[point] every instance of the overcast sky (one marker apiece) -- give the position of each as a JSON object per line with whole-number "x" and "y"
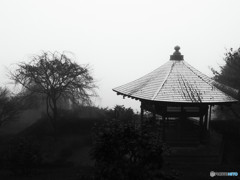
{"x": 121, "y": 40}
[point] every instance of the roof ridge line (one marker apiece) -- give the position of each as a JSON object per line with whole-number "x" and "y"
{"x": 234, "y": 93}
{"x": 187, "y": 65}
{"x": 159, "y": 89}
{"x": 144, "y": 84}
{"x": 147, "y": 82}
{"x": 212, "y": 81}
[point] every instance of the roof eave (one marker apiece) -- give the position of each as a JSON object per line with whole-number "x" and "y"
{"x": 181, "y": 103}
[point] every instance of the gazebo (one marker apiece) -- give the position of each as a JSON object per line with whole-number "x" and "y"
{"x": 178, "y": 90}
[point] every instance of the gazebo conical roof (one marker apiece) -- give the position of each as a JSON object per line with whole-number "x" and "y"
{"x": 176, "y": 81}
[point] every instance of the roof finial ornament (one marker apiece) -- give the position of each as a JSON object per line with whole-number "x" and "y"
{"x": 177, "y": 48}
{"x": 176, "y": 55}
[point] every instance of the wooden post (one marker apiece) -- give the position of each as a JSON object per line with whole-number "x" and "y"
{"x": 209, "y": 117}
{"x": 205, "y": 120}
{"x": 167, "y": 121}
{"x": 154, "y": 113}
{"x": 142, "y": 113}
{"x": 201, "y": 121}
{"x": 201, "y": 126}
{"x": 205, "y": 124}
{"x": 164, "y": 132}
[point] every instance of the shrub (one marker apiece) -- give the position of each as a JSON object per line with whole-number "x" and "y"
{"x": 227, "y": 127}
{"x": 121, "y": 113}
{"x": 23, "y": 155}
{"x": 126, "y": 151}
{"x": 10, "y": 107}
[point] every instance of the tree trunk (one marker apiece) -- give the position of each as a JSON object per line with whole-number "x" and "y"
{"x": 55, "y": 116}
{"x": 52, "y": 105}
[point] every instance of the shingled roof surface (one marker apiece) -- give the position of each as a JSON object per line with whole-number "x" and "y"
{"x": 175, "y": 81}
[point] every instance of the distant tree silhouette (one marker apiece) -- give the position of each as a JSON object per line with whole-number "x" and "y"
{"x": 55, "y": 76}
{"x": 229, "y": 73}
{"x": 9, "y": 106}
{"x": 123, "y": 113}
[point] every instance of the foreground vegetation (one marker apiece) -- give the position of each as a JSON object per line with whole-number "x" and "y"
{"x": 92, "y": 144}
{"x": 87, "y": 146}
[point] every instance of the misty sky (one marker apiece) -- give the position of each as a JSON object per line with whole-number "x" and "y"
{"x": 121, "y": 40}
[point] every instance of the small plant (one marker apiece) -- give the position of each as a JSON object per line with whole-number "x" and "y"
{"x": 126, "y": 151}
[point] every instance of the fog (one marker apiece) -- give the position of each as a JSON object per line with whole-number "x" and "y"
{"x": 120, "y": 40}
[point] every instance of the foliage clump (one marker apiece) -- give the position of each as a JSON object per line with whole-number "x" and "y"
{"x": 127, "y": 151}
{"x": 229, "y": 73}
{"x": 23, "y": 156}
{"x": 9, "y": 106}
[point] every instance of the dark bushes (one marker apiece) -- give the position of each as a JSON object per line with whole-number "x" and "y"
{"x": 227, "y": 127}
{"x": 127, "y": 151}
{"x": 23, "y": 156}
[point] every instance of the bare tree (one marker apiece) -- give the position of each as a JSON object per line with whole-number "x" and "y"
{"x": 55, "y": 76}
